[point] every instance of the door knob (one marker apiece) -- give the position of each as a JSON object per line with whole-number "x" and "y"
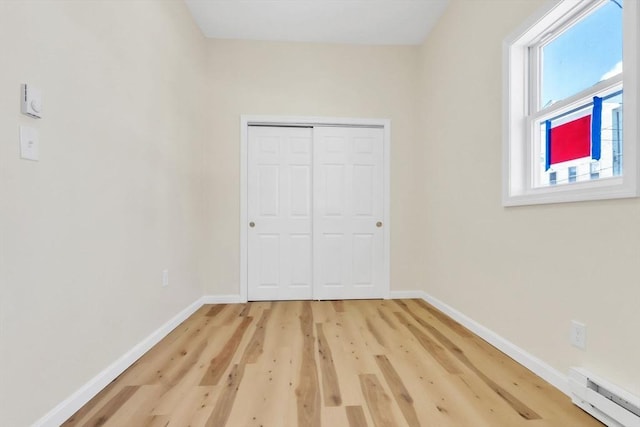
{"x": 379, "y": 224}
{"x": 252, "y": 224}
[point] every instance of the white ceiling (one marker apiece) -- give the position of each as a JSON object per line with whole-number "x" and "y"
{"x": 380, "y": 22}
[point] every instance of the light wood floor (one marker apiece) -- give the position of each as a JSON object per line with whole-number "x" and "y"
{"x": 333, "y": 363}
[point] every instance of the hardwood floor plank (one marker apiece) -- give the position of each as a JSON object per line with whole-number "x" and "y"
{"x": 323, "y": 312}
{"x": 270, "y": 387}
{"x": 334, "y": 416}
{"x": 434, "y": 349}
{"x": 215, "y": 310}
{"x": 193, "y": 407}
{"x": 245, "y": 310}
{"x": 188, "y": 358}
{"x": 443, "y": 318}
{"x": 355, "y": 415}
{"x": 227, "y": 398}
{"x": 484, "y": 404}
{"x": 378, "y": 402}
{"x": 375, "y": 332}
{"x": 263, "y": 361}
{"x": 231, "y": 314}
{"x": 251, "y": 353}
{"x": 257, "y": 307}
{"x": 358, "y": 345}
{"x": 156, "y": 421}
{"x": 385, "y": 317}
{"x": 176, "y": 396}
{"x": 273, "y": 380}
{"x": 433, "y": 391}
{"x": 308, "y": 391}
{"x": 135, "y": 411}
{"x": 92, "y": 406}
{"x": 219, "y": 364}
{"x": 338, "y": 306}
{"x": 111, "y": 407}
{"x": 400, "y": 392}
{"x": 154, "y": 367}
{"x": 522, "y": 409}
{"x": 330, "y": 386}
{"x": 255, "y": 347}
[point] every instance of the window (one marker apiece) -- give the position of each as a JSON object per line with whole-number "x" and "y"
{"x": 570, "y": 80}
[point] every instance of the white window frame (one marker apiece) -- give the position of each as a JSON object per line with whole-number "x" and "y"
{"x": 518, "y": 100}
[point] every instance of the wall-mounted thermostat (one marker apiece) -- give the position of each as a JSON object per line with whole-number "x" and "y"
{"x": 31, "y": 101}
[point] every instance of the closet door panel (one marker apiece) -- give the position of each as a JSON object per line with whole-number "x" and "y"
{"x": 348, "y": 253}
{"x": 279, "y": 213}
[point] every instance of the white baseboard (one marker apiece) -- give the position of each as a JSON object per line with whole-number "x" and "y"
{"x": 529, "y": 361}
{"x": 69, "y": 406}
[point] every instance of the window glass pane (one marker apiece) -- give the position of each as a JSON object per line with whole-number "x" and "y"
{"x": 572, "y": 150}
{"x": 583, "y": 55}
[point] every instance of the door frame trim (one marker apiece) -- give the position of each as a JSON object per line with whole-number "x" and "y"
{"x": 248, "y": 120}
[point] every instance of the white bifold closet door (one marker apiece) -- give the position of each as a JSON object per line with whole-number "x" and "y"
{"x": 315, "y": 209}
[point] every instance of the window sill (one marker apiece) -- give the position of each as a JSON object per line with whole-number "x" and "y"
{"x": 603, "y": 189}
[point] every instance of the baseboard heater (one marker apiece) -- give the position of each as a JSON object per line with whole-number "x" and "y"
{"x": 605, "y": 401}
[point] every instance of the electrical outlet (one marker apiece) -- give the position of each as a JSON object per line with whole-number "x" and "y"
{"x": 578, "y": 337}
{"x": 165, "y": 278}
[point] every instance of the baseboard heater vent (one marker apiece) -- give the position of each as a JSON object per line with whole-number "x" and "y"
{"x": 605, "y": 401}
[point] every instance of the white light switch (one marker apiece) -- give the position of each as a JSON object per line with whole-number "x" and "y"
{"x": 31, "y": 103}
{"x": 28, "y": 143}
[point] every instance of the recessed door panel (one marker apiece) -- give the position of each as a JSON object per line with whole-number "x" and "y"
{"x": 269, "y": 145}
{"x": 270, "y": 249}
{"x": 364, "y": 145}
{"x": 300, "y": 260}
{"x": 335, "y": 144}
{"x": 300, "y": 196}
{"x": 363, "y": 192}
{"x": 268, "y": 177}
{"x": 301, "y": 146}
{"x": 330, "y": 259}
{"x": 363, "y": 253}
{"x": 334, "y": 183}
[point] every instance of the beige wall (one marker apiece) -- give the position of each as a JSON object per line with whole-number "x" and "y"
{"x": 524, "y": 272}
{"x": 115, "y": 198}
{"x": 139, "y": 171}
{"x": 305, "y": 79}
